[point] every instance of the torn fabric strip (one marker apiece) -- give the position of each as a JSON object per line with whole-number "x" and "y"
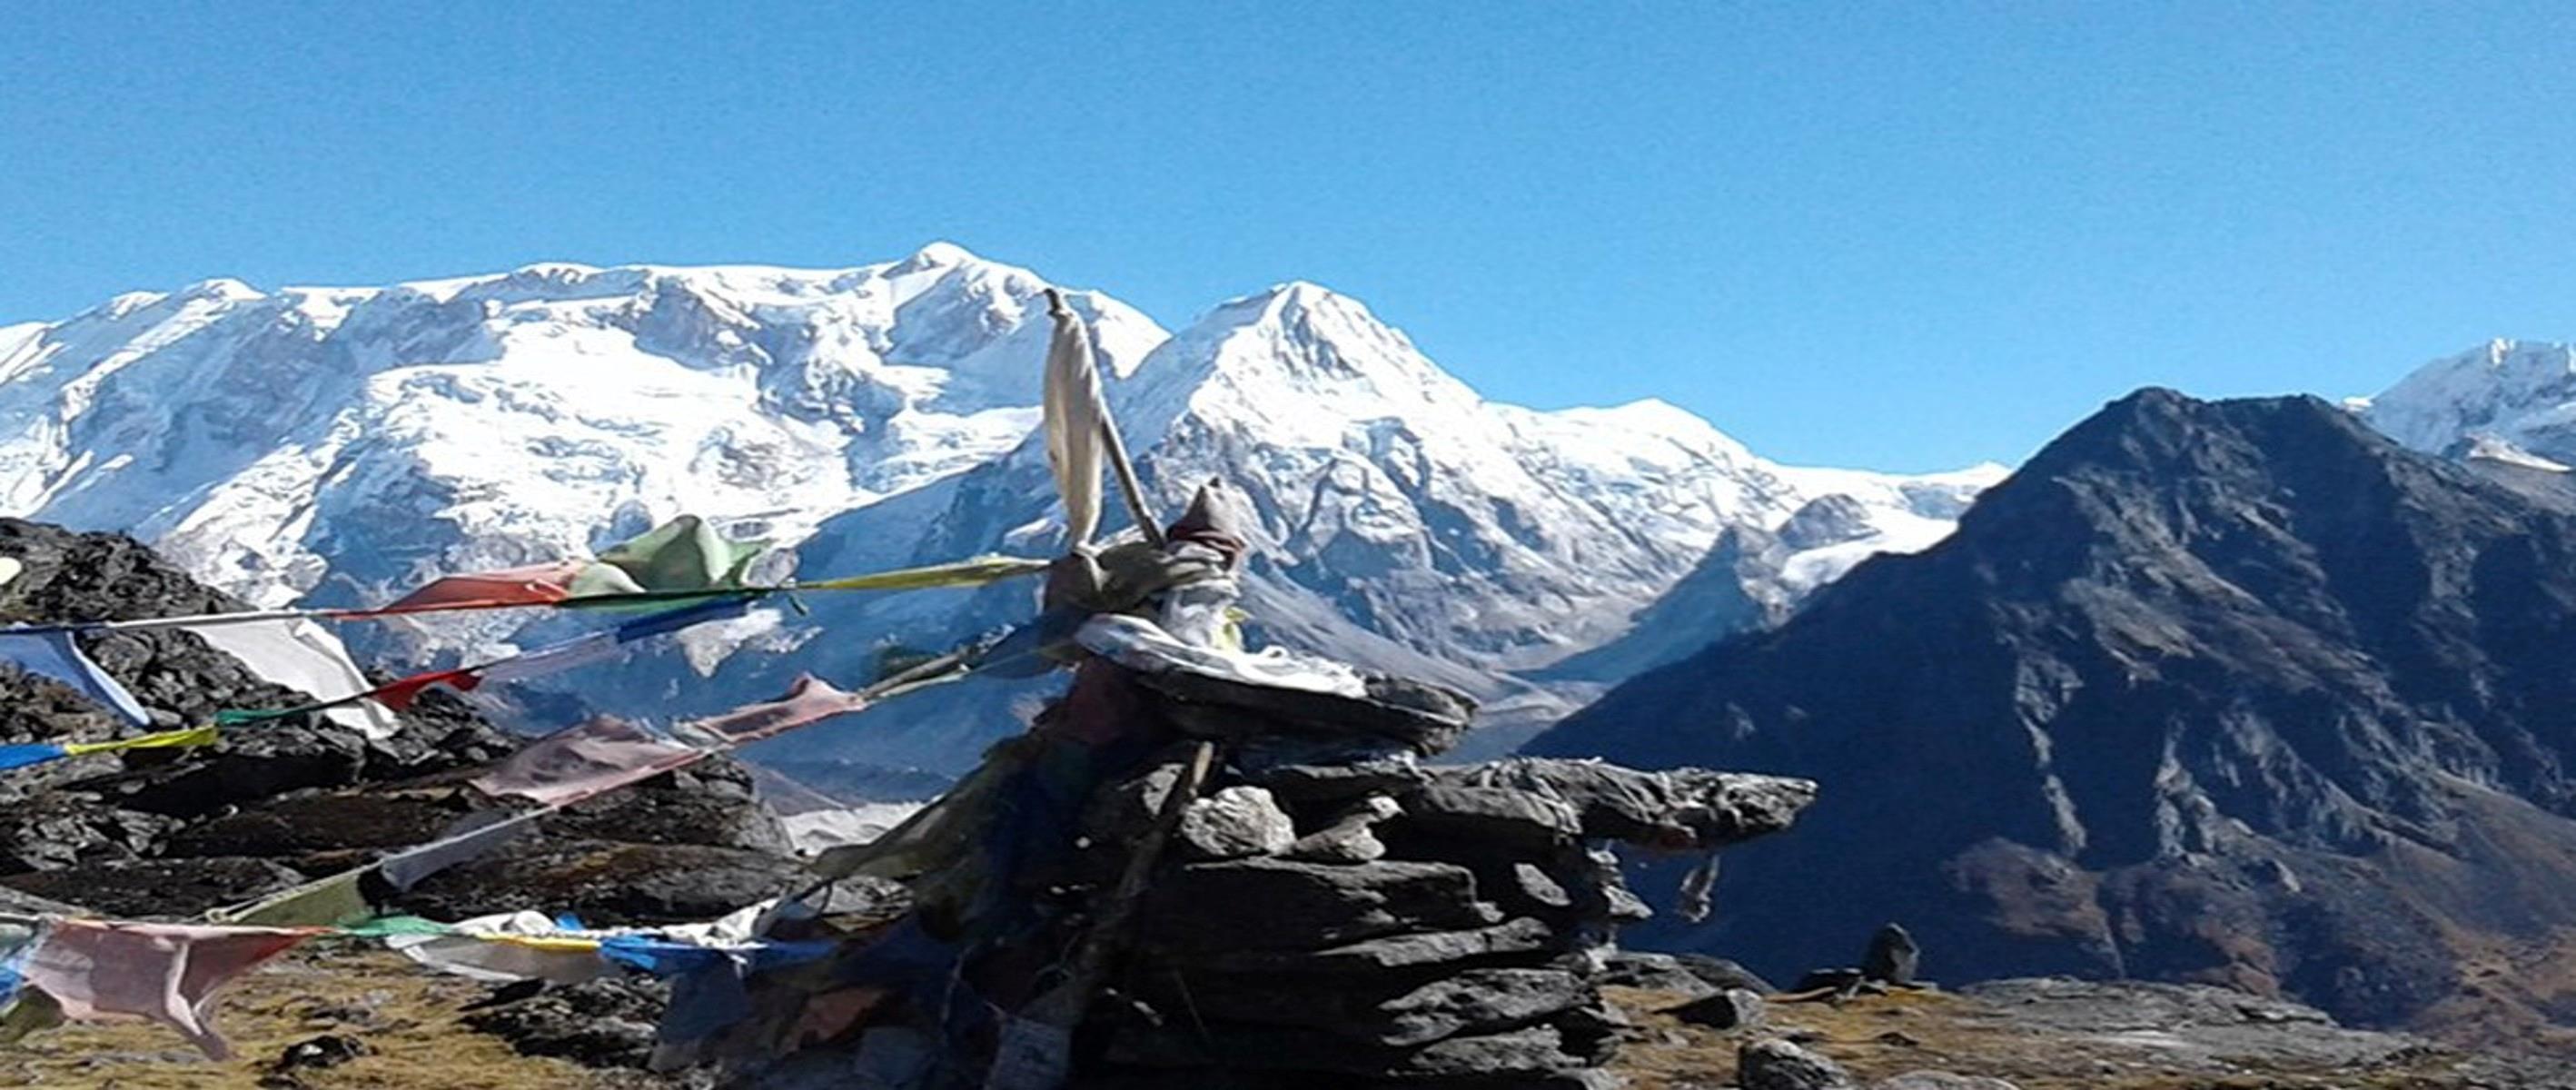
{"x": 301, "y": 655}
{"x": 169, "y": 973}
{"x": 57, "y": 655}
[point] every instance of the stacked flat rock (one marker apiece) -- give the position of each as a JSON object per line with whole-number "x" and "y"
{"x": 1335, "y": 912}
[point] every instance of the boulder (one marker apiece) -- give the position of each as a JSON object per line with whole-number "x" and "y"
{"x": 709, "y": 803}
{"x": 1234, "y": 823}
{"x": 1775, "y": 1064}
{"x": 1891, "y": 958}
{"x": 606, "y": 882}
{"x": 1733, "y": 1008}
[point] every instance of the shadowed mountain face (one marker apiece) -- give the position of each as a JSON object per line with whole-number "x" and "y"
{"x": 2239, "y": 692}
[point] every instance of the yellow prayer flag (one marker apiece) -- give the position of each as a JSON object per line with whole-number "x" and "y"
{"x": 193, "y": 736}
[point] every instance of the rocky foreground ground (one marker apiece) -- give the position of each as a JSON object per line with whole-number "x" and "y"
{"x": 359, "y": 1020}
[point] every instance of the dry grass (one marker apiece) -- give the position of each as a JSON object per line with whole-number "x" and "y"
{"x": 406, "y": 1016}
{"x": 1876, "y": 1037}
{"x": 408, "y": 1019}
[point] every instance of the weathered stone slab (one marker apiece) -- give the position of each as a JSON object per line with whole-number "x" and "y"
{"x": 1274, "y": 904}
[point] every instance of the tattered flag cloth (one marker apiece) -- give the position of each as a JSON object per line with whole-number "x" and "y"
{"x": 607, "y": 753}
{"x": 401, "y": 693}
{"x": 327, "y": 902}
{"x": 472, "y": 837}
{"x": 55, "y": 654}
{"x": 17, "y": 943}
{"x": 509, "y": 946}
{"x": 686, "y": 553}
{"x": 165, "y": 972}
{"x": 596, "y": 756}
{"x": 300, "y": 655}
{"x": 1074, "y": 411}
{"x": 534, "y": 585}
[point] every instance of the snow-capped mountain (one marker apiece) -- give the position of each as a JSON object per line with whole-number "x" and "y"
{"x": 1396, "y": 518}
{"x": 335, "y": 445}
{"x": 338, "y": 445}
{"x": 2504, "y": 401}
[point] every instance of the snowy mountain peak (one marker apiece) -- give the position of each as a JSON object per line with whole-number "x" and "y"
{"x": 338, "y": 444}
{"x": 339, "y": 441}
{"x": 2499, "y": 398}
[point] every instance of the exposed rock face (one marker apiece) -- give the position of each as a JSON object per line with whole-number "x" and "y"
{"x": 2238, "y": 692}
{"x": 161, "y": 833}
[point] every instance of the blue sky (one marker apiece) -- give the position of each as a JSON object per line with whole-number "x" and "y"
{"x": 1895, "y": 235}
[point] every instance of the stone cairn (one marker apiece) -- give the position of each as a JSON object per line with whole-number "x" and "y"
{"x": 1332, "y": 911}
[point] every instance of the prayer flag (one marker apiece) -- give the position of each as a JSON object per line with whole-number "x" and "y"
{"x": 165, "y": 972}
{"x": 57, "y": 655}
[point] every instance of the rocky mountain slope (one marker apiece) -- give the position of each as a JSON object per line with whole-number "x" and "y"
{"x": 173, "y": 832}
{"x": 334, "y": 446}
{"x": 2236, "y": 692}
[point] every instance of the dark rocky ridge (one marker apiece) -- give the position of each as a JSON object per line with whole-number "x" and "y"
{"x": 168, "y": 833}
{"x": 2235, "y": 692}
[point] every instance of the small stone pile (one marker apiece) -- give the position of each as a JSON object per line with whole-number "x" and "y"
{"x": 1335, "y": 912}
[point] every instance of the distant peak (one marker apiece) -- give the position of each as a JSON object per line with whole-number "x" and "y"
{"x": 1288, "y": 303}
{"x": 939, "y": 255}
{"x": 557, "y": 271}
{"x": 221, "y": 287}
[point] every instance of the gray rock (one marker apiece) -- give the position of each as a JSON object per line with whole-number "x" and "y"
{"x": 599, "y": 1024}
{"x": 1233, "y": 823}
{"x": 1774, "y": 1064}
{"x": 1734, "y": 1008}
{"x": 1942, "y": 1080}
{"x": 315, "y": 1053}
{"x": 1311, "y": 771}
{"x": 1274, "y": 904}
{"x": 1693, "y": 975}
{"x": 56, "y": 829}
{"x": 1536, "y": 887}
{"x": 1422, "y": 716}
{"x": 1519, "y": 939}
{"x": 1892, "y": 957}
{"x": 606, "y": 882}
{"x": 158, "y": 888}
{"x": 1489, "y": 819}
{"x": 1380, "y": 1009}
{"x": 1478, "y": 1000}
{"x": 1683, "y": 808}
{"x": 1653, "y": 972}
{"x": 1348, "y": 838}
{"x": 1533, "y": 1049}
